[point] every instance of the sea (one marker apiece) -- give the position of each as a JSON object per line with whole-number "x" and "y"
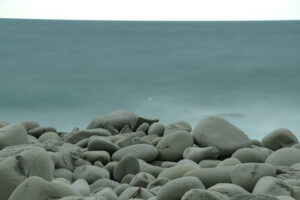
{"x": 65, "y": 73}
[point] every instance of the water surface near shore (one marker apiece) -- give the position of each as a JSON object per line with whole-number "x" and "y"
{"x": 63, "y": 73}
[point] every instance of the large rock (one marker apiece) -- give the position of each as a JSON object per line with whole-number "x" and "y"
{"x": 175, "y": 189}
{"x": 228, "y": 189}
{"x": 127, "y": 165}
{"x": 211, "y": 176}
{"x": 145, "y": 152}
{"x": 177, "y": 126}
{"x": 279, "y": 138}
{"x": 284, "y": 157}
{"x": 246, "y": 175}
{"x": 171, "y": 147}
{"x": 15, "y": 169}
{"x": 29, "y": 124}
{"x": 12, "y": 135}
{"x": 117, "y": 119}
{"x": 35, "y": 188}
{"x": 197, "y": 154}
{"x": 80, "y": 135}
{"x": 217, "y": 132}
{"x": 201, "y": 194}
{"x": 156, "y": 129}
{"x": 272, "y": 186}
{"x": 253, "y": 197}
{"x": 248, "y": 155}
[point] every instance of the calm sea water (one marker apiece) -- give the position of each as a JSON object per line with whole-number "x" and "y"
{"x": 64, "y": 73}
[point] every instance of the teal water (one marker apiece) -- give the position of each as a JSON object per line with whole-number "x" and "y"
{"x": 63, "y": 73}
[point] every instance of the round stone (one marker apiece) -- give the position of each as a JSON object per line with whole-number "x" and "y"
{"x": 177, "y": 126}
{"x": 38, "y": 131}
{"x": 141, "y": 179}
{"x": 171, "y": 147}
{"x": 246, "y": 175}
{"x": 279, "y": 138}
{"x": 197, "y": 194}
{"x": 49, "y": 136}
{"x": 175, "y": 172}
{"x": 175, "y": 189}
{"x": 217, "y": 132}
{"x": 253, "y": 197}
{"x": 229, "y": 162}
{"x": 12, "y": 135}
{"x": 248, "y": 155}
{"x": 94, "y": 156}
{"x": 127, "y": 165}
{"x": 228, "y": 189}
{"x": 156, "y": 129}
{"x": 284, "y": 157}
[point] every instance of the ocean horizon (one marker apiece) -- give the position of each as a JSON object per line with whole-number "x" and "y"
{"x": 64, "y": 73}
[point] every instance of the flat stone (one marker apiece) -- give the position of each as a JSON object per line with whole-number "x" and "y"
{"x": 103, "y": 183}
{"x": 12, "y": 135}
{"x": 118, "y": 119}
{"x": 228, "y": 189}
{"x": 90, "y": 173}
{"x": 175, "y": 189}
{"x": 38, "y": 131}
{"x": 212, "y": 176}
{"x": 246, "y": 175}
{"x": 229, "y": 162}
{"x": 127, "y": 165}
{"x": 93, "y": 156}
{"x": 80, "y": 135}
{"x": 36, "y": 188}
{"x": 171, "y": 147}
{"x": 148, "y": 168}
{"x": 208, "y": 163}
{"x": 145, "y": 152}
{"x": 197, "y": 194}
{"x": 284, "y": 157}
{"x": 253, "y": 197}
{"x": 217, "y": 132}
{"x": 197, "y": 154}
{"x": 279, "y": 138}
{"x": 175, "y": 172}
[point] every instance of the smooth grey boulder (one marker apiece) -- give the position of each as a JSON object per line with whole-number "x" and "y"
{"x": 197, "y": 154}
{"x": 49, "y": 136}
{"x": 103, "y": 183}
{"x": 63, "y": 173}
{"x": 228, "y": 189}
{"x": 29, "y": 124}
{"x": 188, "y": 162}
{"x": 201, "y": 194}
{"x": 135, "y": 193}
{"x": 279, "y": 138}
{"x": 284, "y": 198}
{"x": 253, "y": 197}
{"x": 284, "y": 157}
{"x": 246, "y": 175}
{"x": 159, "y": 182}
{"x": 175, "y": 189}
{"x": 143, "y": 127}
{"x": 141, "y": 179}
{"x": 177, "y": 126}
{"x": 80, "y": 135}
{"x": 212, "y": 176}
{"x": 141, "y": 120}
{"x": 175, "y": 172}
{"x": 81, "y": 187}
{"x": 256, "y": 142}
{"x": 63, "y": 160}
{"x": 99, "y": 143}
{"x": 265, "y": 152}
{"x": 38, "y": 131}
{"x": 90, "y": 173}
{"x": 248, "y": 155}
{"x": 171, "y": 147}
{"x": 12, "y": 135}
{"x": 127, "y": 165}
{"x": 229, "y": 162}
{"x": 156, "y": 129}
{"x": 15, "y": 169}
{"x": 145, "y": 152}
{"x": 217, "y": 132}
{"x": 272, "y": 186}
{"x": 94, "y": 156}
{"x": 131, "y": 139}
{"x": 36, "y": 188}
{"x": 110, "y": 167}
{"x": 118, "y": 119}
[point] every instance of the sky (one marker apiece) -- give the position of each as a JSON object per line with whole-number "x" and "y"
{"x": 167, "y": 10}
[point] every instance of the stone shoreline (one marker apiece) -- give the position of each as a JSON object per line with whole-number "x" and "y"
{"x": 121, "y": 156}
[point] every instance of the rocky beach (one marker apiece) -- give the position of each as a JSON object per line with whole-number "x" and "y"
{"x": 122, "y": 155}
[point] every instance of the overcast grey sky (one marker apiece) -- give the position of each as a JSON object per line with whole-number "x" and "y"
{"x": 152, "y": 9}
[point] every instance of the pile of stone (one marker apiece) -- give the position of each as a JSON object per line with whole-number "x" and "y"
{"x": 122, "y": 156}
